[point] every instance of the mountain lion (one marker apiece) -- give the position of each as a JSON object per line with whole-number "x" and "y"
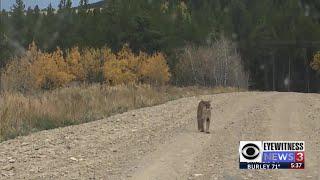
{"x": 204, "y": 115}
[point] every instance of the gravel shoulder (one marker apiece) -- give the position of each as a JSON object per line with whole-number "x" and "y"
{"x": 162, "y": 142}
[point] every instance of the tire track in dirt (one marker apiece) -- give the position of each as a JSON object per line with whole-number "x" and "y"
{"x": 220, "y": 160}
{"x": 290, "y": 119}
{"x": 282, "y": 116}
{"x": 175, "y": 159}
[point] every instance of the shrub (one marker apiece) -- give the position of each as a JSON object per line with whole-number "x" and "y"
{"x": 154, "y": 70}
{"x": 50, "y": 71}
{"x": 92, "y": 62}
{"x": 74, "y": 64}
{"x": 122, "y": 68}
{"x": 37, "y": 70}
{"x": 217, "y": 64}
{"x": 127, "y": 67}
{"x": 118, "y": 72}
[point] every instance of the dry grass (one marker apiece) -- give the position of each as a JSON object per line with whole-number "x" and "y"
{"x": 22, "y": 114}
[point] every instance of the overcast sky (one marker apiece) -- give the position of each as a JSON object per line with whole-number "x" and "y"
{"x": 6, "y": 4}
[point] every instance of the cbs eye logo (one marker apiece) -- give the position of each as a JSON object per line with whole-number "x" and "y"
{"x": 250, "y": 151}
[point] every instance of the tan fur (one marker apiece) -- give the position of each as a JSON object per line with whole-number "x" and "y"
{"x": 204, "y": 115}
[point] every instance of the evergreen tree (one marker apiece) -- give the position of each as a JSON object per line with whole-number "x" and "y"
{"x": 17, "y": 27}
{"x": 4, "y": 48}
{"x": 36, "y": 11}
{"x": 68, "y": 4}
{"x": 50, "y": 10}
{"x": 83, "y": 3}
{"x": 18, "y": 8}
{"x": 62, "y": 4}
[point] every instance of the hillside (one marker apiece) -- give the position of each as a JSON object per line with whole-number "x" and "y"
{"x": 98, "y": 4}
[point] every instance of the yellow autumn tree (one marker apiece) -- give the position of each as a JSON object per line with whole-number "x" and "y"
{"x": 107, "y": 54}
{"x": 127, "y": 67}
{"x": 36, "y": 70}
{"x": 92, "y": 64}
{"x": 154, "y": 70}
{"x": 75, "y": 67}
{"x": 57, "y": 57}
{"x": 50, "y": 71}
{"x": 122, "y": 68}
{"x": 17, "y": 75}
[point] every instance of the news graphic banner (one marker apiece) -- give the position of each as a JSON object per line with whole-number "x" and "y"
{"x": 272, "y": 154}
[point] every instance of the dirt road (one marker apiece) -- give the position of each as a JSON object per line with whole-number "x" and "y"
{"x": 162, "y": 142}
